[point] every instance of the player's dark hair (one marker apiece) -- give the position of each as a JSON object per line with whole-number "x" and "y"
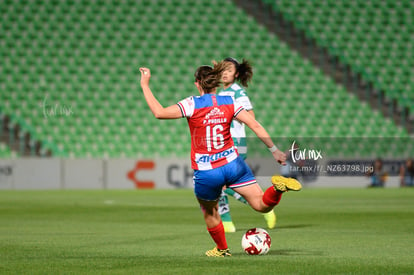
{"x": 244, "y": 70}
{"x": 210, "y": 77}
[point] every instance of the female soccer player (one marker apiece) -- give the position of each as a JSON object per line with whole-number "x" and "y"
{"x": 242, "y": 73}
{"x": 214, "y": 158}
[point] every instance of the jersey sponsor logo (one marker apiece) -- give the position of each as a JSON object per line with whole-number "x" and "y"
{"x": 215, "y": 116}
{"x": 215, "y": 112}
{"x": 214, "y": 157}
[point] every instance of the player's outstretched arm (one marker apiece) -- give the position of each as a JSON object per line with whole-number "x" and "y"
{"x": 261, "y": 133}
{"x": 157, "y": 109}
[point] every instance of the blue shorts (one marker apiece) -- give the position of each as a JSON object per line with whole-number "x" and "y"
{"x": 209, "y": 183}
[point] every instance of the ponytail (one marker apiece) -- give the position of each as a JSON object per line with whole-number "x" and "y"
{"x": 210, "y": 77}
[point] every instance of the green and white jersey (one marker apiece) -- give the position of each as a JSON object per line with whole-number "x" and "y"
{"x": 237, "y": 129}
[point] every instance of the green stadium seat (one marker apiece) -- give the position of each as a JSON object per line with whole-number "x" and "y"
{"x": 372, "y": 37}
{"x": 86, "y": 54}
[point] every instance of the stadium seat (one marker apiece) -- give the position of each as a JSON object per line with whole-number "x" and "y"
{"x": 372, "y": 37}
{"x": 85, "y": 56}
{"x": 5, "y": 151}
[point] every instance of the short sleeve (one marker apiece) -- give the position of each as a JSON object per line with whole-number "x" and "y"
{"x": 237, "y": 108}
{"x": 187, "y": 106}
{"x": 243, "y": 100}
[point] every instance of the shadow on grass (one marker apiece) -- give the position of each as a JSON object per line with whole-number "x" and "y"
{"x": 285, "y": 252}
{"x": 292, "y": 226}
{"x": 294, "y": 252}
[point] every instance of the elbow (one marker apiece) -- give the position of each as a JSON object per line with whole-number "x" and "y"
{"x": 158, "y": 116}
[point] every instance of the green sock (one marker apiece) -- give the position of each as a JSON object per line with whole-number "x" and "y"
{"x": 235, "y": 195}
{"x": 226, "y": 217}
{"x": 224, "y": 208}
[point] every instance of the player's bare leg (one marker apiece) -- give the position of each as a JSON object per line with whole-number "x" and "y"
{"x": 224, "y": 209}
{"x": 264, "y": 202}
{"x": 254, "y": 194}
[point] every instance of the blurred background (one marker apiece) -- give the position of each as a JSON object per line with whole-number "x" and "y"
{"x": 335, "y": 72}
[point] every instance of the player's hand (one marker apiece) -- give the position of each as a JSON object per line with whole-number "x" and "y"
{"x": 145, "y": 75}
{"x": 279, "y": 156}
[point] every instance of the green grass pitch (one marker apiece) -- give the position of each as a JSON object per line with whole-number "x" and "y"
{"x": 319, "y": 231}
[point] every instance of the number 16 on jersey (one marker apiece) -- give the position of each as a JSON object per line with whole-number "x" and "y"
{"x": 213, "y": 135}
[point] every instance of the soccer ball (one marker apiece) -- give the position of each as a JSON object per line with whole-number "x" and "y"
{"x": 256, "y": 241}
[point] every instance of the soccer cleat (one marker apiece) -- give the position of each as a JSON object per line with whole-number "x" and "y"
{"x": 215, "y": 252}
{"x": 283, "y": 184}
{"x": 229, "y": 227}
{"x": 270, "y": 218}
